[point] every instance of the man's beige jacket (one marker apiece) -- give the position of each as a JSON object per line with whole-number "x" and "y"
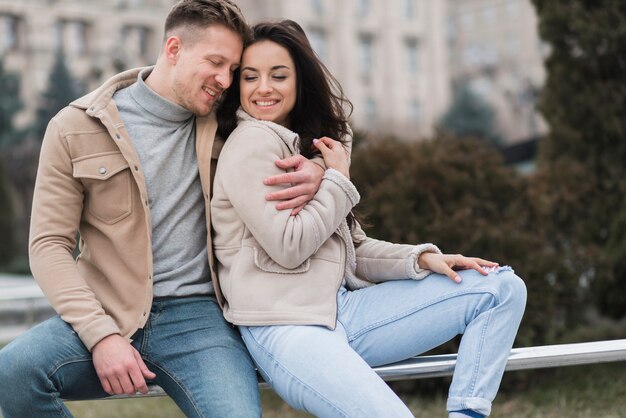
{"x": 90, "y": 181}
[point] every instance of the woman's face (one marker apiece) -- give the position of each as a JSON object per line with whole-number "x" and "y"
{"x": 268, "y": 82}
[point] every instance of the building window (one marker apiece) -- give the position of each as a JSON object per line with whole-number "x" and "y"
{"x": 317, "y": 6}
{"x": 409, "y": 9}
{"x": 57, "y": 35}
{"x": 513, "y": 47}
{"x": 363, "y": 8}
{"x": 318, "y": 42}
{"x": 415, "y": 111}
{"x": 512, "y": 8}
{"x": 471, "y": 55}
{"x": 410, "y": 52}
{"x": 371, "y": 112}
{"x": 9, "y": 33}
{"x": 137, "y": 40}
{"x": 366, "y": 55}
{"x": 467, "y": 20}
{"x": 72, "y": 36}
{"x": 489, "y": 54}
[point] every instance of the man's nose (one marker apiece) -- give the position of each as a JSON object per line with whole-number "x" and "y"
{"x": 224, "y": 78}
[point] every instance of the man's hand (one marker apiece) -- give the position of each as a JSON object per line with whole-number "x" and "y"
{"x": 304, "y": 181}
{"x": 448, "y": 263}
{"x": 120, "y": 367}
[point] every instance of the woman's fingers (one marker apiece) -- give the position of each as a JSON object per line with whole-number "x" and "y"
{"x": 335, "y": 156}
{"x": 446, "y": 269}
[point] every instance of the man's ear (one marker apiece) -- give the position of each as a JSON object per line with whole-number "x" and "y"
{"x": 172, "y": 49}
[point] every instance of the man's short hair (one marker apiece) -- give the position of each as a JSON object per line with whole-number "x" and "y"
{"x": 187, "y": 16}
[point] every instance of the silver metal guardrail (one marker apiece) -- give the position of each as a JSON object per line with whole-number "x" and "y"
{"x": 524, "y": 358}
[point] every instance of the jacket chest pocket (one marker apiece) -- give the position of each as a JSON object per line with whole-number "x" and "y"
{"x": 107, "y": 181}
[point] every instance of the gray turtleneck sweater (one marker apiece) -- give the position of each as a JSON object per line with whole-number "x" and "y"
{"x": 164, "y": 136}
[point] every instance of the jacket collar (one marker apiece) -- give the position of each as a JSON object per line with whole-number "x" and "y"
{"x": 98, "y": 99}
{"x": 290, "y": 138}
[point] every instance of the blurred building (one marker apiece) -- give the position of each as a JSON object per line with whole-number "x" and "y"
{"x": 495, "y": 48}
{"x": 98, "y": 38}
{"x": 397, "y": 60}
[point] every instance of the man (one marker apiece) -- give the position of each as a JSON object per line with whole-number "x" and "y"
{"x": 130, "y": 167}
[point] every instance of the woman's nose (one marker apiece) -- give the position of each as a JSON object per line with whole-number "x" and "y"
{"x": 265, "y": 87}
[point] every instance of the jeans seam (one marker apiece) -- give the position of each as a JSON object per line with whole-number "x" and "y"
{"x": 296, "y": 379}
{"x": 57, "y": 399}
{"x": 144, "y": 353}
{"x": 55, "y": 391}
{"x": 178, "y": 383}
{"x": 55, "y": 368}
{"x": 480, "y": 351}
{"x": 357, "y": 334}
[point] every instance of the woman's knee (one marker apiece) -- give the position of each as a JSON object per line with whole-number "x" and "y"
{"x": 512, "y": 288}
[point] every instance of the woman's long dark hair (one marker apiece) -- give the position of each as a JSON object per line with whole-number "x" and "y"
{"x": 321, "y": 108}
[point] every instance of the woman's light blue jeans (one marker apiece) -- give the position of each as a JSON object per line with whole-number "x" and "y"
{"x": 199, "y": 359}
{"x": 328, "y": 372}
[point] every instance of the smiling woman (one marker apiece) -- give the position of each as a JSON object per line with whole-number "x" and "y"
{"x": 319, "y": 303}
{"x": 268, "y": 82}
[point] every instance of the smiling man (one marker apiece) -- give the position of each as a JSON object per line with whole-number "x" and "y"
{"x": 129, "y": 167}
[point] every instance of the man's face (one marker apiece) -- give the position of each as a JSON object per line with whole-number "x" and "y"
{"x": 204, "y": 69}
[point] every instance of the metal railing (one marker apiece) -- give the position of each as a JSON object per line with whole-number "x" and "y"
{"x": 525, "y": 358}
{"x": 419, "y": 367}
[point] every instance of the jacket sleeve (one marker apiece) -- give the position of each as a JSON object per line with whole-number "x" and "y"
{"x": 56, "y": 214}
{"x": 378, "y": 261}
{"x": 247, "y": 158}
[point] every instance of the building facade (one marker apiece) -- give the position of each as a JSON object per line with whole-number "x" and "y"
{"x": 97, "y": 37}
{"x": 390, "y": 57}
{"x": 397, "y": 60}
{"x": 495, "y": 48}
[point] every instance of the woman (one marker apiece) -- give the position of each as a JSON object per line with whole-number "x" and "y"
{"x": 317, "y": 302}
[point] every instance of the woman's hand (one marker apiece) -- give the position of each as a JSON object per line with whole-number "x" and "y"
{"x": 334, "y": 153}
{"x": 448, "y": 263}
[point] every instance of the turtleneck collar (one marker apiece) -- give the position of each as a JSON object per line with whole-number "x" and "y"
{"x": 155, "y": 104}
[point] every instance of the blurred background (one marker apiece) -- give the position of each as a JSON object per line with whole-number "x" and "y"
{"x": 494, "y": 128}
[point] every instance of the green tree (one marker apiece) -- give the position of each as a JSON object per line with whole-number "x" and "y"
{"x": 10, "y": 105}
{"x": 61, "y": 90}
{"x": 469, "y": 116}
{"x": 460, "y": 195}
{"x": 584, "y": 102}
{"x": 7, "y": 243}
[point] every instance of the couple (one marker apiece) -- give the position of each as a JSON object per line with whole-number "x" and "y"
{"x": 133, "y": 168}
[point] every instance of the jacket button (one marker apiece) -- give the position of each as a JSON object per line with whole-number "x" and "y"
{"x": 102, "y": 170}
{"x": 117, "y": 136}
